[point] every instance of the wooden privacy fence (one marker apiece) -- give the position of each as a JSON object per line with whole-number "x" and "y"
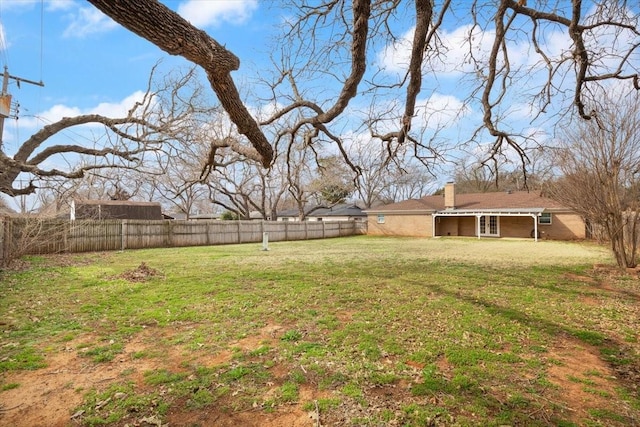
{"x": 22, "y": 236}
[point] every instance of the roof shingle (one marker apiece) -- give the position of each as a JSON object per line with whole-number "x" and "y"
{"x": 475, "y": 201}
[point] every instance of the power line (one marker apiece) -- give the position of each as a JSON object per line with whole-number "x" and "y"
{"x": 41, "y": 37}
{"x": 3, "y": 41}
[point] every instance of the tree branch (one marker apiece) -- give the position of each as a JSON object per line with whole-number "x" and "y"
{"x": 166, "y": 29}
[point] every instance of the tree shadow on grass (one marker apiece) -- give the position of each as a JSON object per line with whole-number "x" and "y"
{"x": 619, "y": 356}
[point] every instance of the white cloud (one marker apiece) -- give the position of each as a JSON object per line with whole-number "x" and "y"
{"x": 212, "y": 13}
{"x": 521, "y": 111}
{"x": 453, "y": 56}
{"x": 265, "y": 111}
{"x": 19, "y": 5}
{"x": 119, "y": 109}
{"x": 87, "y": 21}
{"x": 454, "y": 51}
{"x": 440, "y": 111}
{"x": 437, "y": 113}
{"x": 58, "y": 111}
{"x": 53, "y": 5}
{"x": 4, "y": 44}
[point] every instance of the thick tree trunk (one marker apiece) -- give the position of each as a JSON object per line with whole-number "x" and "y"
{"x": 166, "y": 29}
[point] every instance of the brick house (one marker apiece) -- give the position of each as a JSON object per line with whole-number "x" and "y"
{"x": 498, "y": 214}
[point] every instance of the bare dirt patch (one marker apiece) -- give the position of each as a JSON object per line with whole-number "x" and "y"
{"x": 290, "y": 417}
{"x": 47, "y": 397}
{"x": 585, "y": 382}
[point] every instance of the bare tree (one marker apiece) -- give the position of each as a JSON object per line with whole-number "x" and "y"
{"x": 332, "y": 182}
{"x": 300, "y": 176}
{"x": 238, "y": 187}
{"x": 473, "y": 175}
{"x": 411, "y": 181}
{"x": 166, "y": 29}
{"x": 163, "y": 115}
{"x": 311, "y": 95}
{"x": 600, "y": 165}
{"x": 275, "y": 188}
{"x": 178, "y": 180}
{"x": 340, "y": 37}
{"x": 386, "y": 178}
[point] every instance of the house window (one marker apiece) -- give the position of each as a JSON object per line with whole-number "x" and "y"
{"x": 380, "y": 219}
{"x": 489, "y": 225}
{"x": 544, "y": 218}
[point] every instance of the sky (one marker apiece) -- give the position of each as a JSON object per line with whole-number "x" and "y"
{"x": 89, "y": 64}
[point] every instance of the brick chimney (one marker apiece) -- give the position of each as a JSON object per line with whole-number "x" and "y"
{"x": 450, "y": 195}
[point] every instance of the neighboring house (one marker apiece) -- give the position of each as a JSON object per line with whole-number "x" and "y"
{"x": 499, "y": 214}
{"x": 115, "y": 209}
{"x": 341, "y": 212}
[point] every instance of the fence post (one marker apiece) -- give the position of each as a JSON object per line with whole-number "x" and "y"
{"x": 239, "y": 232}
{"x": 123, "y": 233}
{"x": 67, "y": 236}
{"x": 2, "y": 221}
{"x": 7, "y": 239}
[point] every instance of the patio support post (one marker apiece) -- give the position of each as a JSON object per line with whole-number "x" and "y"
{"x": 433, "y": 225}
{"x": 535, "y": 227}
{"x": 478, "y": 222}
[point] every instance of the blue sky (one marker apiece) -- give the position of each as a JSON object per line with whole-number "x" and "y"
{"x": 90, "y": 64}
{"x": 84, "y": 59}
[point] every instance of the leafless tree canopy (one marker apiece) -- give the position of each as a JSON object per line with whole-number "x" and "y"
{"x": 338, "y": 39}
{"x": 173, "y": 34}
{"x": 326, "y": 82}
{"x": 165, "y": 114}
{"x": 600, "y": 165}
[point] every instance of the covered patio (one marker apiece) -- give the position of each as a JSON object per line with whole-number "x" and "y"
{"x": 487, "y": 222}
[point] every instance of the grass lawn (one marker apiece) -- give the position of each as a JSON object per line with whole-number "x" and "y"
{"x": 359, "y": 331}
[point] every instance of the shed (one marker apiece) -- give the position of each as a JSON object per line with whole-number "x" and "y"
{"x": 115, "y": 209}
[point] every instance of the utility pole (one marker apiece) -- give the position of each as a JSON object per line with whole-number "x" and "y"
{"x": 5, "y": 97}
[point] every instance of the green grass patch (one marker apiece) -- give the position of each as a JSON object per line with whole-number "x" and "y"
{"x": 9, "y": 386}
{"x": 449, "y": 331}
{"x": 590, "y": 337}
{"x": 104, "y": 353}
{"x": 289, "y": 392}
{"x": 291, "y": 335}
{"x": 120, "y": 403}
{"x": 25, "y": 357}
{"x": 162, "y": 376}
